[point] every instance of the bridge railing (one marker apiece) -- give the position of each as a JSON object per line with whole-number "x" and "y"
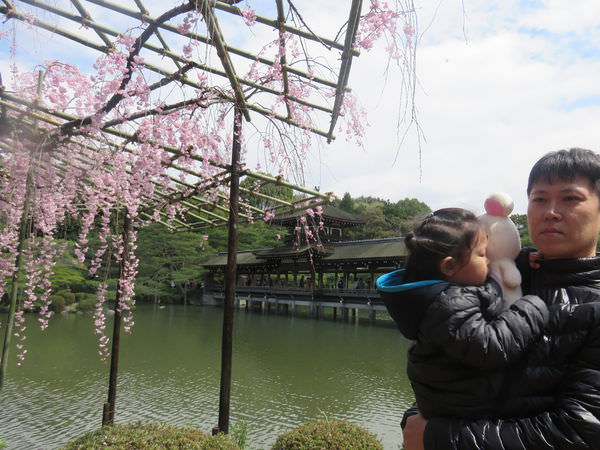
{"x": 355, "y": 295}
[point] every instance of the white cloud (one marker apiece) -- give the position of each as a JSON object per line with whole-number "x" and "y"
{"x": 558, "y": 16}
{"x": 489, "y": 107}
{"x": 500, "y": 84}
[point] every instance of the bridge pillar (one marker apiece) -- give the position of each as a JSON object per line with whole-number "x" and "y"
{"x": 372, "y": 313}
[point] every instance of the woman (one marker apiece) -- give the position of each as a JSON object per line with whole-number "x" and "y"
{"x": 564, "y": 222}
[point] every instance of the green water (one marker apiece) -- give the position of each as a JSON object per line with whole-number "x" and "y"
{"x": 286, "y": 371}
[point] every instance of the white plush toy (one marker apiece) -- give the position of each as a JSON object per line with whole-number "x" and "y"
{"x": 504, "y": 244}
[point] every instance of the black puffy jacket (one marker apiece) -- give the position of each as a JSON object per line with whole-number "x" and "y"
{"x": 465, "y": 338}
{"x": 561, "y": 375}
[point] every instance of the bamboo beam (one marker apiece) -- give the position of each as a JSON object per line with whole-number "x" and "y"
{"x": 158, "y": 34}
{"x": 282, "y": 58}
{"x": 177, "y": 59}
{"x": 280, "y": 181}
{"x": 246, "y": 172}
{"x": 230, "y": 49}
{"x": 174, "y": 179}
{"x": 298, "y": 32}
{"x": 219, "y": 43}
{"x": 132, "y": 138}
{"x": 13, "y": 14}
{"x": 353, "y": 21}
{"x": 87, "y": 16}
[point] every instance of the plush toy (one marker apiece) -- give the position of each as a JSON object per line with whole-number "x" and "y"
{"x": 504, "y": 244}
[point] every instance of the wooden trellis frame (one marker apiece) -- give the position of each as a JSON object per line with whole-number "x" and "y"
{"x": 102, "y": 43}
{"x": 200, "y": 210}
{"x": 55, "y": 17}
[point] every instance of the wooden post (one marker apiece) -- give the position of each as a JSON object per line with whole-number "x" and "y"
{"x": 23, "y": 226}
{"x": 372, "y": 313}
{"x": 372, "y": 278}
{"x": 108, "y": 411}
{"x": 13, "y": 289}
{"x": 230, "y": 276}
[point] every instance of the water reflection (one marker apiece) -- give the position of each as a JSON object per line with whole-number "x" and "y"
{"x": 286, "y": 371}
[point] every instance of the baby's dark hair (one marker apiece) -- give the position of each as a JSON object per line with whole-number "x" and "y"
{"x": 445, "y": 232}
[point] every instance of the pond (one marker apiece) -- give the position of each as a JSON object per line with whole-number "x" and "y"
{"x": 286, "y": 371}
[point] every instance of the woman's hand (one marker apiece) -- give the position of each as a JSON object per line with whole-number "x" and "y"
{"x": 413, "y": 432}
{"x": 534, "y": 258}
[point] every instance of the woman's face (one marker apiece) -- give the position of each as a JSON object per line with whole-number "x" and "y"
{"x": 564, "y": 218}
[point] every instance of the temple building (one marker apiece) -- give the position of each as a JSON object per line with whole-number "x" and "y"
{"x": 315, "y": 257}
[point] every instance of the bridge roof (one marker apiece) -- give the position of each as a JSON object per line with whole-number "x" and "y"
{"x": 354, "y": 251}
{"x": 332, "y": 215}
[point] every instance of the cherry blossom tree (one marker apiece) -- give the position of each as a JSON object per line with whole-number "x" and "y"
{"x": 152, "y": 131}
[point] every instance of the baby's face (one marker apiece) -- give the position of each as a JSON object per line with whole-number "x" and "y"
{"x": 475, "y": 271}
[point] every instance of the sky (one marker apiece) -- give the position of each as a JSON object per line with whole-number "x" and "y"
{"x": 500, "y": 83}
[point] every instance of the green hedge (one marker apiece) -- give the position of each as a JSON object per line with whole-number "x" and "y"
{"x": 58, "y": 303}
{"x": 327, "y": 435}
{"x": 69, "y": 298}
{"x": 150, "y": 436}
{"x": 87, "y": 302}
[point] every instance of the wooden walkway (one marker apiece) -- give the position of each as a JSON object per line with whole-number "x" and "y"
{"x": 343, "y": 302}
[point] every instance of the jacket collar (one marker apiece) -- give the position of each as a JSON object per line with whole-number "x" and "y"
{"x": 407, "y": 302}
{"x": 569, "y": 272}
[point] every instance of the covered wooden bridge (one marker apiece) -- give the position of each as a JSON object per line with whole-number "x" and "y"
{"x": 328, "y": 272}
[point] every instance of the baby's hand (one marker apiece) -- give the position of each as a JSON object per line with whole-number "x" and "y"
{"x": 534, "y": 258}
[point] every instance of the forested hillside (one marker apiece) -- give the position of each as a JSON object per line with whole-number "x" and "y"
{"x": 170, "y": 263}
{"x": 385, "y": 218}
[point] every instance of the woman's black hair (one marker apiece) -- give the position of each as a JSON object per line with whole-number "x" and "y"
{"x": 445, "y": 232}
{"x": 565, "y": 165}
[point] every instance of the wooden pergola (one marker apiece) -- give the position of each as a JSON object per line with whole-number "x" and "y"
{"x": 92, "y": 27}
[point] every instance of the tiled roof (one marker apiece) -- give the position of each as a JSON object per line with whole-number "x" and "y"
{"x": 373, "y": 249}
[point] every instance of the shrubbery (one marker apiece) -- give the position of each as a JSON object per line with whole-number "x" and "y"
{"x": 327, "y": 435}
{"x": 150, "y": 436}
{"x": 80, "y": 296}
{"x": 68, "y": 296}
{"x": 58, "y": 303}
{"x": 87, "y": 303}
